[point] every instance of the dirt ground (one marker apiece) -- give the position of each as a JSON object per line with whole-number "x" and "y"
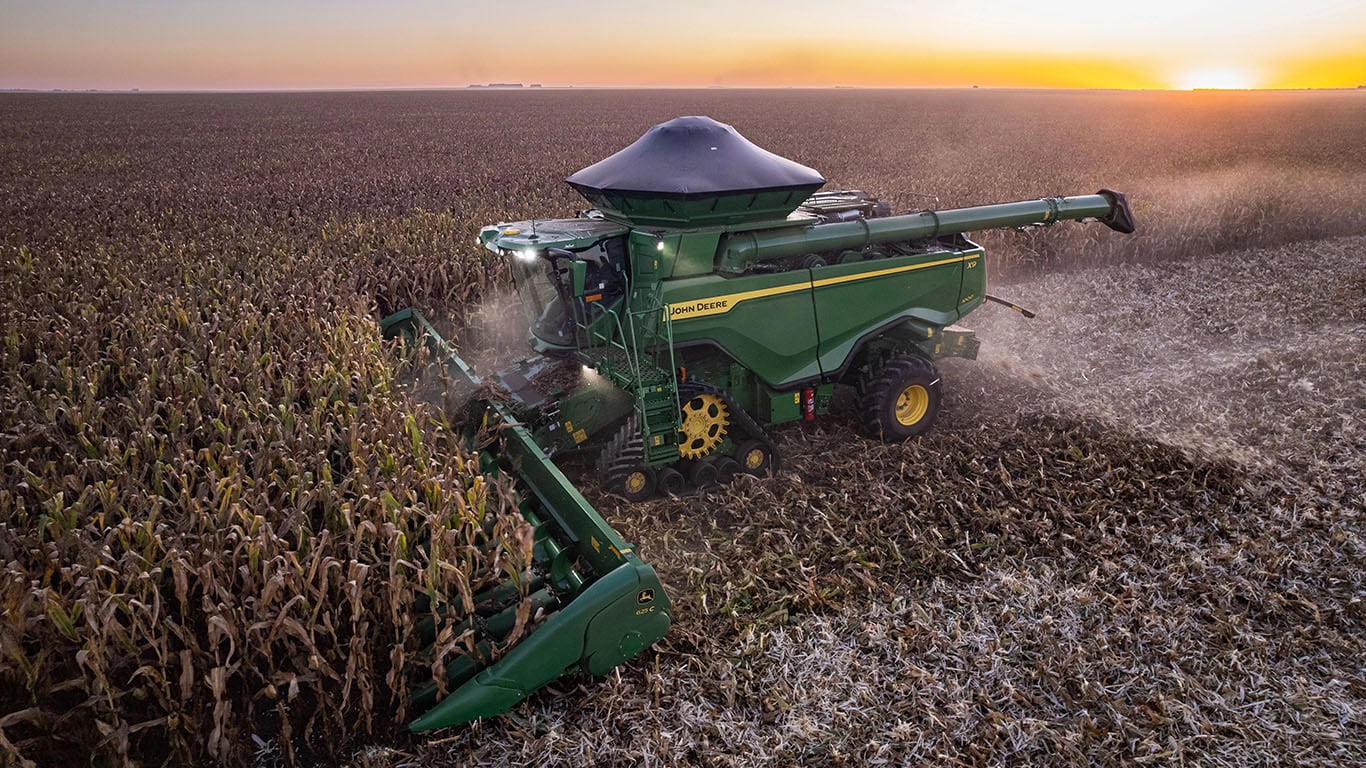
{"x": 1135, "y": 537}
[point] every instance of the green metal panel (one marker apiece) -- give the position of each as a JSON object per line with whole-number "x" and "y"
{"x": 853, "y": 300}
{"x": 648, "y": 258}
{"x": 974, "y": 288}
{"x": 782, "y": 407}
{"x": 642, "y": 210}
{"x": 696, "y": 252}
{"x": 766, "y": 321}
{"x": 795, "y": 325}
{"x": 583, "y": 413}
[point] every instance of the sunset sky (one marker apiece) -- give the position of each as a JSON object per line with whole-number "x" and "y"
{"x": 197, "y": 44}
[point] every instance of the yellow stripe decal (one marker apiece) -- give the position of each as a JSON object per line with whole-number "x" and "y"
{"x": 885, "y": 272}
{"x": 719, "y": 305}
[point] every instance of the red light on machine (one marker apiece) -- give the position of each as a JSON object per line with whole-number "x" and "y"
{"x": 809, "y": 404}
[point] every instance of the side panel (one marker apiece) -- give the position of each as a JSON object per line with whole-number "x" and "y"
{"x": 765, "y": 321}
{"x": 974, "y": 288}
{"x": 852, "y": 300}
{"x": 696, "y": 252}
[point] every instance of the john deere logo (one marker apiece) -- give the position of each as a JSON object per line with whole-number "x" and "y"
{"x": 702, "y": 308}
{"x": 645, "y": 596}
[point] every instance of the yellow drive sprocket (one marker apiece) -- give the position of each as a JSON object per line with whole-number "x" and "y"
{"x": 705, "y": 421}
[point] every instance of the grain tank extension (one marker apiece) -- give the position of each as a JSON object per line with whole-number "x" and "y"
{"x": 711, "y": 293}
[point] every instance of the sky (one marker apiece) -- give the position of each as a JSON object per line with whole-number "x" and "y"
{"x": 310, "y": 44}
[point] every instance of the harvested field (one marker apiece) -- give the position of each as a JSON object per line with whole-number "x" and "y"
{"x": 1134, "y": 537}
{"x": 1070, "y": 569}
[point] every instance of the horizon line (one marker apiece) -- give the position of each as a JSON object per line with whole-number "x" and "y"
{"x": 516, "y": 87}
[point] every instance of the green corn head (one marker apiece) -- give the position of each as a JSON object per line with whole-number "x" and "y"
{"x": 604, "y": 604}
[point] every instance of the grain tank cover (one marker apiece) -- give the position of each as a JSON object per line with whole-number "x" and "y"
{"x": 695, "y": 172}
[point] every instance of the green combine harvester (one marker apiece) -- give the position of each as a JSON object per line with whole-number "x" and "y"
{"x": 710, "y": 294}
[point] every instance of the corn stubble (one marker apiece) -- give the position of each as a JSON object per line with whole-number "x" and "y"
{"x": 224, "y": 514}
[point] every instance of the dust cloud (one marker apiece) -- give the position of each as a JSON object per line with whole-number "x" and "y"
{"x": 1254, "y": 356}
{"x": 496, "y": 332}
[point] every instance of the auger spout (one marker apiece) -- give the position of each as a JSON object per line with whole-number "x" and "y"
{"x": 748, "y": 247}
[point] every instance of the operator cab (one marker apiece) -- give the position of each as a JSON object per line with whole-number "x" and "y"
{"x": 549, "y": 258}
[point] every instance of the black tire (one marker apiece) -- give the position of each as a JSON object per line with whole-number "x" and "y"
{"x": 726, "y": 469}
{"x": 635, "y": 484}
{"x": 670, "y": 481}
{"x": 703, "y": 474}
{"x": 899, "y": 397}
{"x": 755, "y": 458}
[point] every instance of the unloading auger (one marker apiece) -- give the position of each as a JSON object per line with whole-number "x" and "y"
{"x": 710, "y": 294}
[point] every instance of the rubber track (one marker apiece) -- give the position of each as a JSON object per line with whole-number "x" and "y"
{"x": 624, "y": 452}
{"x": 750, "y": 428}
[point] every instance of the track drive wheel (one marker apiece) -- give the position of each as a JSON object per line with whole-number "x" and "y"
{"x": 706, "y": 419}
{"x": 899, "y": 397}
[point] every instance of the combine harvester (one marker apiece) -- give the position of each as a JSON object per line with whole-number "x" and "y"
{"x": 711, "y": 293}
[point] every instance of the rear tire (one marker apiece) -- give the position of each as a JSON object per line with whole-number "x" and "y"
{"x": 899, "y": 397}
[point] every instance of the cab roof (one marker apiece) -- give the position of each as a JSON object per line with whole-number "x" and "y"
{"x": 547, "y": 233}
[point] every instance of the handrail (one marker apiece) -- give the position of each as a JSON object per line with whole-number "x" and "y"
{"x": 633, "y": 331}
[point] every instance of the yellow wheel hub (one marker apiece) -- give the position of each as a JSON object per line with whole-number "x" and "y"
{"x": 911, "y": 405}
{"x": 754, "y": 459}
{"x": 635, "y": 482}
{"x": 705, "y": 419}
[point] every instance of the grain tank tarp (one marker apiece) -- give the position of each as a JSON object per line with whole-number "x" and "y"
{"x": 695, "y": 171}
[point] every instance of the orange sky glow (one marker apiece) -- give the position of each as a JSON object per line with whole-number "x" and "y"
{"x": 306, "y": 44}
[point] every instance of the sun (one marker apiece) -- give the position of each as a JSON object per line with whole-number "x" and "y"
{"x": 1222, "y": 78}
